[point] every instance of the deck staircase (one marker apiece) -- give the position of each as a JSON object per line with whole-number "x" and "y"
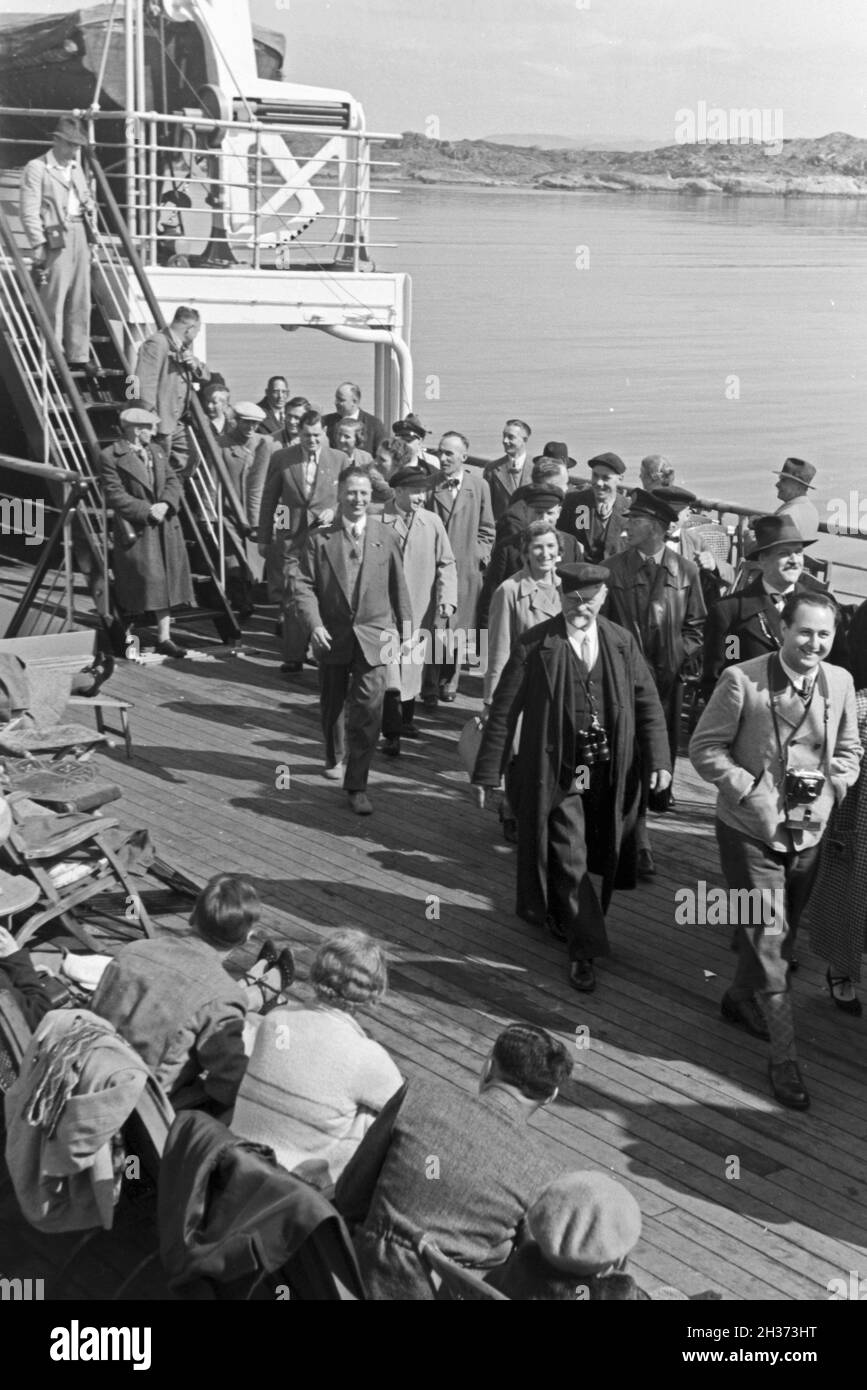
{"x": 65, "y": 418}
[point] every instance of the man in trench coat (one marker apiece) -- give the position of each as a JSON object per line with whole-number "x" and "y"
{"x": 149, "y": 555}
{"x": 576, "y": 815}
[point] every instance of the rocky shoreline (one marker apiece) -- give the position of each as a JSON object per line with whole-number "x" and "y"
{"x": 834, "y": 166}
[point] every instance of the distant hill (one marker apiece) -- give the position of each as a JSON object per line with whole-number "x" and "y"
{"x": 831, "y": 166}
{"x": 570, "y": 142}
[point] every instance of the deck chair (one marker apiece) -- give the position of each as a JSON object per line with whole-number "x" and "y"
{"x": 450, "y": 1282}
{"x": 15, "y": 1034}
{"x": 40, "y": 843}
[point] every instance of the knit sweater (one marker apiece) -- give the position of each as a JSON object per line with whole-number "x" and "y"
{"x": 313, "y": 1085}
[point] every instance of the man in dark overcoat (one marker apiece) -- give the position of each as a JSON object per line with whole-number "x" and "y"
{"x": 594, "y": 514}
{"x": 656, "y": 595}
{"x": 571, "y": 677}
{"x": 149, "y": 556}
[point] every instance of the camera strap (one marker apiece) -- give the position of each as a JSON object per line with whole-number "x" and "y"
{"x": 775, "y": 669}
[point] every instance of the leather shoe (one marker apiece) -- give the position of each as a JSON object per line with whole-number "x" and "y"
{"x": 170, "y": 649}
{"x": 291, "y": 668}
{"x": 745, "y": 1013}
{"x": 646, "y": 866}
{"x": 391, "y": 747}
{"x": 582, "y": 976}
{"x": 360, "y": 803}
{"x": 267, "y": 952}
{"x": 448, "y": 697}
{"x": 335, "y": 773}
{"x": 847, "y": 1006}
{"x": 554, "y": 928}
{"x": 285, "y": 963}
{"x": 788, "y": 1086}
{"x": 409, "y": 731}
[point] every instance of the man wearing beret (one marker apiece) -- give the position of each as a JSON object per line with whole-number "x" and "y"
{"x": 592, "y": 720}
{"x": 149, "y": 555}
{"x": 656, "y": 595}
{"x": 594, "y": 515}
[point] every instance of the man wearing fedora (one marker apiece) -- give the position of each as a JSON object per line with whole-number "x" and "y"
{"x": 779, "y": 740}
{"x": 747, "y": 624}
{"x": 57, "y": 212}
{"x": 591, "y": 719}
{"x": 656, "y": 595}
{"x": 794, "y": 481}
{"x": 431, "y": 578}
{"x": 149, "y": 555}
{"x": 594, "y": 515}
{"x": 513, "y": 469}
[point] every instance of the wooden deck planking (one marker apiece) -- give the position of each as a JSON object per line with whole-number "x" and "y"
{"x": 666, "y": 1090}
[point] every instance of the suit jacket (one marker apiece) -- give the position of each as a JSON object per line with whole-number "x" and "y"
{"x": 534, "y": 684}
{"x": 284, "y": 488}
{"x": 735, "y": 747}
{"x": 275, "y": 420}
{"x": 44, "y": 198}
{"x": 498, "y": 477}
{"x": 374, "y": 430}
{"x": 469, "y": 524}
{"x": 182, "y": 1012}
{"x": 163, "y": 381}
{"x": 152, "y": 571}
{"x": 320, "y": 594}
{"x": 580, "y": 519}
{"x": 669, "y": 630}
{"x": 491, "y": 1165}
{"x": 743, "y": 626}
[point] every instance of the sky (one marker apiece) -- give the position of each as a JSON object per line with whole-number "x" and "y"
{"x": 581, "y": 68}
{"x": 591, "y": 69}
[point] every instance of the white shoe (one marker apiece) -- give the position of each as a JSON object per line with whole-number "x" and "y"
{"x": 334, "y": 774}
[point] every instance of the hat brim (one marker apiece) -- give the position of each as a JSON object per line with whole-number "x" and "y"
{"x": 758, "y": 549}
{"x": 551, "y": 458}
{"x": 781, "y": 474}
{"x": 76, "y": 139}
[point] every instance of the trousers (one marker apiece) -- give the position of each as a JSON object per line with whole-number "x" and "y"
{"x": 572, "y": 898}
{"x": 66, "y": 293}
{"x": 358, "y": 688}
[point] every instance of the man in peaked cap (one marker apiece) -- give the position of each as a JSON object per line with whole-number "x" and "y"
{"x": 747, "y": 624}
{"x": 56, "y": 208}
{"x": 590, "y": 711}
{"x": 594, "y": 514}
{"x": 656, "y": 595}
{"x": 411, "y": 430}
{"x": 794, "y": 481}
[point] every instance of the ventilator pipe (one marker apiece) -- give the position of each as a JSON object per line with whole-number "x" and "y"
{"x": 389, "y": 338}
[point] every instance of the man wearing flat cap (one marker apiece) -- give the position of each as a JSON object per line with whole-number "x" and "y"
{"x": 149, "y": 555}
{"x": 591, "y": 720}
{"x": 594, "y": 515}
{"x": 57, "y": 211}
{"x": 747, "y": 624}
{"x": 656, "y": 595}
{"x": 431, "y": 578}
{"x": 794, "y": 481}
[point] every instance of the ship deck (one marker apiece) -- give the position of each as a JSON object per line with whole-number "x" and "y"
{"x": 737, "y": 1194}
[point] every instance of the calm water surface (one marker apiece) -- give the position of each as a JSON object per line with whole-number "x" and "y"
{"x": 726, "y": 333}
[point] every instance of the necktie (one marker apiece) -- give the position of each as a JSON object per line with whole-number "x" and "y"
{"x": 453, "y": 483}
{"x": 779, "y": 600}
{"x": 650, "y": 567}
{"x": 357, "y": 530}
{"x": 310, "y": 472}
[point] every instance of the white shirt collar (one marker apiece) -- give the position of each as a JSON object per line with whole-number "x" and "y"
{"x": 777, "y": 593}
{"x": 797, "y": 677}
{"x": 361, "y": 523}
{"x": 585, "y": 642}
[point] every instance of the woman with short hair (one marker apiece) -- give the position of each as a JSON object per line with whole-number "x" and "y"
{"x": 315, "y": 1081}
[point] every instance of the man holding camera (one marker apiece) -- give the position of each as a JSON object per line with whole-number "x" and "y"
{"x": 56, "y": 212}
{"x": 779, "y": 739}
{"x": 592, "y": 717}
{"x": 165, "y": 372}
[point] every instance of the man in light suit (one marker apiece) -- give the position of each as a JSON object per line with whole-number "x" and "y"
{"x": 165, "y": 372}
{"x": 300, "y": 495}
{"x": 779, "y": 739}
{"x": 347, "y": 400}
{"x": 348, "y": 594}
{"x": 515, "y": 469}
{"x": 431, "y": 577}
{"x": 490, "y": 1164}
{"x": 56, "y": 208}
{"x": 462, "y": 501}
